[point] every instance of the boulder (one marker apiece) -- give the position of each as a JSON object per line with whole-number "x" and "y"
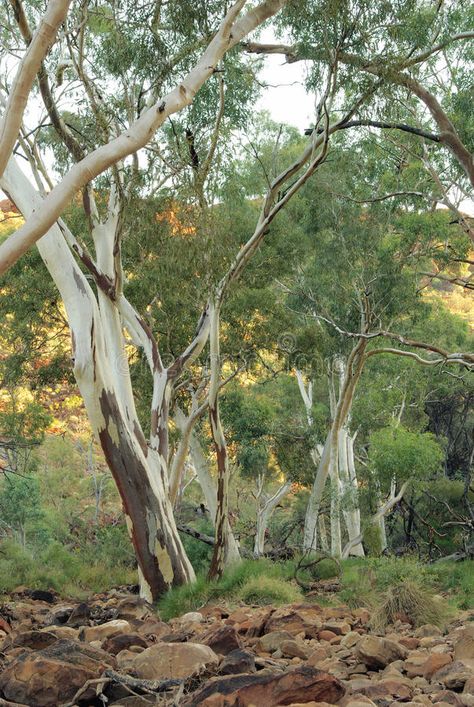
{"x": 428, "y": 630}
{"x": 192, "y": 617}
{"x": 121, "y": 642}
{"x": 49, "y": 677}
{"x": 238, "y": 661}
{"x": 453, "y": 676}
{"x": 377, "y": 652}
{"x": 295, "y": 649}
{"x": 435, "y": 662}
{"x": 104, "y": 631}
{"x": 172, "y": 660}
{"x": 271, "y": 642}
{"x": 222, "y": 639}
{"x": 302, "y": 684}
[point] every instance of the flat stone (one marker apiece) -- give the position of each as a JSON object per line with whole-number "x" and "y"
{"x": 301, "y": 684}
{"x": 378, "y": 652}
{"x": 271, "y": 641}
{"x": 104, "y": 631}
{"x": 172, "y": 660}
{"x": 52, "y": 676}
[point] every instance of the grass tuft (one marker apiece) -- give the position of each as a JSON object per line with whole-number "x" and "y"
{"x": 269, "y": 590}
{"x": 408, "y": 600}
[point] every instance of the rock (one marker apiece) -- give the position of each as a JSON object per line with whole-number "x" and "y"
{"x": 238, "y": 661}
{"x": 340, "y": 628}
{"x": 464, "y": 646}
{"x": 104, "y": 631}
{"x": 192, "y": 617}
{"x": 453, "y": 676}
{"x": 121, "y": 642}
{"x": 377, "y": 652}
{"x": 79, "y": 615}
{"x": 447, "y": 697}
{"x": 428, "y": 630}
{"x": 350, "y": 639}
{"x": 327, "y": 635}
{"x": 52, "y": 676}
{"x": 223, "y": 639}
{"x": 173, "y": 660}
{"x": 36, "y": 640}
{"x": 304, "y": 618}
{"x": 63, "y": 632}
{"x": 302, "y": 684}
{"x": 435, "y": 662}
{"x": 295, "y": 649}
{"x": 271, "y": 641}
{"x": 409, "y": 642}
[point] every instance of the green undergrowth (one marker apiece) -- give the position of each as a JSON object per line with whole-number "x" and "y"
{"x": 251, "y": 581}
{"x": 70, "y": 573}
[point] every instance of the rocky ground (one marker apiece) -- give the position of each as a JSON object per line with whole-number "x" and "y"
{"x": 114, "y": 649}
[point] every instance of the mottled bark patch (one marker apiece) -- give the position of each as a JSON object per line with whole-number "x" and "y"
{"x": 157, "y": 547}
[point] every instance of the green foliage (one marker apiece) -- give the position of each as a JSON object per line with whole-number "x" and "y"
{"x": 397, "y": 453}
{"x": 269, "y": 590}
{"x": 57, "y": 568}
{"x": 261, "y": 579}
{"x": 373, "y": 540}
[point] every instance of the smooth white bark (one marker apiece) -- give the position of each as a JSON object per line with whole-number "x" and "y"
{"x": 265, "y": 508}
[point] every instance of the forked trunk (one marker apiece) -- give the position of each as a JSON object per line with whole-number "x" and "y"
{"x": 101, "y": 370}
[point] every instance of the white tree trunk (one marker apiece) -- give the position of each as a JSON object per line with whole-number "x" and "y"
{"x": 99, "y": 360}
{"x": 329, "y": 461}
{"x": 265, "y": 509}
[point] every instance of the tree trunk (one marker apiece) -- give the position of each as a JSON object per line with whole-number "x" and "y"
{"x": 265, "y": 510}
{"x": 329, "y": 461}
{"x": 222, "y": 555}
{"x": 99, "y": 360}
{"x": 205, "y": 480}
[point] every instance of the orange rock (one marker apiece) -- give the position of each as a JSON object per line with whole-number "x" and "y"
{"x": 435, "y": 662}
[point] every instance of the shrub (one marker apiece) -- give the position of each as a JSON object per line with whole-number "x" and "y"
{"x": 192, "y": 597}
{"x": 269, "y": 590}
{"x": 408, "y": 600}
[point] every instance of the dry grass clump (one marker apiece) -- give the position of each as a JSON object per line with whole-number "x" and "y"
{"x": 407, "y": 601}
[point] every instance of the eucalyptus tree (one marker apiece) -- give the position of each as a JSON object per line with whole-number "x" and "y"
{"x": 99, "y": 124}
{"x": 370, "y": 291}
